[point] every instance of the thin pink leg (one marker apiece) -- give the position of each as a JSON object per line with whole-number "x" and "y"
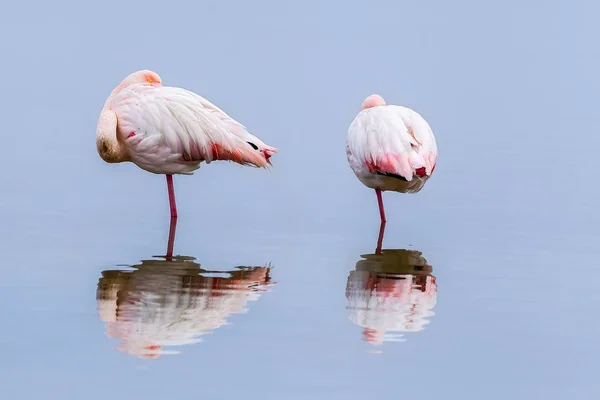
{"x": 172, "y": 229}
{"x": 171, "y": 196}
{"x": 380, "y": 201}
{"x": 380, "y": 238}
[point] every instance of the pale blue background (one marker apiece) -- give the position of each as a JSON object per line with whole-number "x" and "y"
{"x": 509, "y": 221}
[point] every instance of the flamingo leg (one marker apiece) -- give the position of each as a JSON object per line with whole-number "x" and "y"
{"x": 171, "y": 196}
{"x": 172, "y": 229}
{"x": 380, "y": 201}
{"x": 380, "y": 238}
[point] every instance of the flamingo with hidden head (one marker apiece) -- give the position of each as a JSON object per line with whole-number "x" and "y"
{"x": 169, "y": 130}
{"x": 390, "y": 148}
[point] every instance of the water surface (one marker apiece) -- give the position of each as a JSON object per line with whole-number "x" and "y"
{"x": 487, "y": 284}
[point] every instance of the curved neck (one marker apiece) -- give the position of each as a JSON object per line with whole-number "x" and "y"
{"x": 107, "y": 143}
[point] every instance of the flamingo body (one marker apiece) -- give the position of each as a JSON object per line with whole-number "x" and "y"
{"x": 170, "y": 130}
{"x": 390, "y": 148}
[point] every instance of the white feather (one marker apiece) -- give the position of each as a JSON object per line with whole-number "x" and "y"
{"x": 175, "y": 130}
{"x": 393, "y": 140}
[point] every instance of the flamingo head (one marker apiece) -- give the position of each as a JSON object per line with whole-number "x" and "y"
{"x": 142, "y": 77}
{"x": 373, "y": 100}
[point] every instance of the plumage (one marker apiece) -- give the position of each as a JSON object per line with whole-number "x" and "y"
{"x": 174, "y": 130}
{"x": 390, "y": 148}
{"x": 170, "y": 130}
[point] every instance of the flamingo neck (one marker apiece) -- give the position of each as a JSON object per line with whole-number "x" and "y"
{"x": 107, "y": 142}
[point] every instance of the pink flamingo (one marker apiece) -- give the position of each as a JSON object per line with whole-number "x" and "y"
{"x": 390, "y": 148}
{"x": 169, "y": 130}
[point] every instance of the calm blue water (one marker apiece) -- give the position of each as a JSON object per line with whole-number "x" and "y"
{"x": 488, "y": 285}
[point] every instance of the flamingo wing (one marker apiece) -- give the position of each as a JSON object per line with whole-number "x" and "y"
{"x": 392, "y": 140}
{"x": 421, "y": 131}
{"x": 169, "y": 124}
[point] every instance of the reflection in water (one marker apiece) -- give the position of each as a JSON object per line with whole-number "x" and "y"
{"x": 172, "y": 301}
{"x": 390, "y": 293}
{"x": 167, "y": 303}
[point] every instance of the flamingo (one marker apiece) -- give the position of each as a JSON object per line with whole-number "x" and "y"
{"x": 390, "y": 148}
{"x": 170, "y": 130}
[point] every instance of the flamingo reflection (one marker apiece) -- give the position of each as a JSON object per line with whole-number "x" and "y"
{"x": 173, "y": 301}
{"x": 391, "y": 293}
